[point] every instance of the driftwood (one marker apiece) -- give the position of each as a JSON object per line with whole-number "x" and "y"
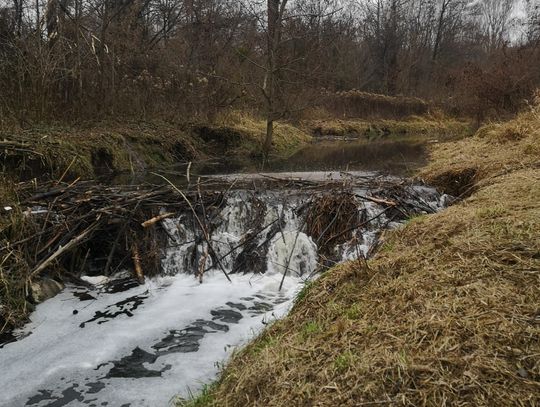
{"x": 71, "y": 226}
{"x": 62, "y": 249}
{"x": 137, "y": 263}
{"x": 156, "y": 219}
{"x": 380, "y": 201}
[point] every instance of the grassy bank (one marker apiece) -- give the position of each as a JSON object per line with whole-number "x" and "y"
{"x": 100, "y": 148}
{"x": 250, "y": 132}
{"x": 446, "y": 314}
{"x": 94, "y": 149}
{"x": 415, "y": 128}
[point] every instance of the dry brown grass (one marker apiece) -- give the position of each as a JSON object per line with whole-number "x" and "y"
{"x": 496, "y": 149}
{"x": 446, "y": 315}
{"x": 413, "y": 128}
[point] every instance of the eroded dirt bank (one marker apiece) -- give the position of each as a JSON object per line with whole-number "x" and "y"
{"x": 447, "y": 314}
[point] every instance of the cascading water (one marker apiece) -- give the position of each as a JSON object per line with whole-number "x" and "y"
{"x": 140, "y": 346}
{"x": 259, "y": 233}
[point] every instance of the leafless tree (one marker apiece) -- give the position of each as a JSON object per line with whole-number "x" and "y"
{"x": 189, "y": 59}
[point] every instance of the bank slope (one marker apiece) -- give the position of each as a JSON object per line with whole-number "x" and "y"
{"x": 447, "y": 314}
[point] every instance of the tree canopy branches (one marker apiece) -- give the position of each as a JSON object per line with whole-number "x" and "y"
{"x": 189, "y": 59}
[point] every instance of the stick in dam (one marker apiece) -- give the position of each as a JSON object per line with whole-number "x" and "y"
{"x": 203, "y": 229}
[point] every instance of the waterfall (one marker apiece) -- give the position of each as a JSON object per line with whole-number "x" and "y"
{"x": 265, "y": 232}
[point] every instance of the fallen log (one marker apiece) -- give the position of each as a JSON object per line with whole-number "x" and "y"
{"x": 376, "y": 200}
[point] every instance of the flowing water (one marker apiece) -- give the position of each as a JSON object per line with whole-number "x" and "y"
{"x": 122, "y": 344}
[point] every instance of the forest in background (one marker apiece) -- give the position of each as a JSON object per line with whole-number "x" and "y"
{"x": 188, "y": 60}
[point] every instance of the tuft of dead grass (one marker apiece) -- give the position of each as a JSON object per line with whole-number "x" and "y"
{"x": 446, "y": 314}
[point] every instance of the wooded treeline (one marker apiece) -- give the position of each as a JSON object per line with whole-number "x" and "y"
{"x": 189, "y": 59}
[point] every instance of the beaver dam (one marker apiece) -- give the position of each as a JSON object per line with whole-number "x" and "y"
{"x": 163, "y": 282}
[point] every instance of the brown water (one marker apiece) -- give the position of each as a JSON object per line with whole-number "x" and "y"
{"x": 398, "y": 158}
{"x": 389, "y": 157}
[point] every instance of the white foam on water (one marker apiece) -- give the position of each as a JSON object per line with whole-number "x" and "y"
{"x": 292, "y": 253}
{"x": 58, "y": 353}
{"x": 315, "y": 176}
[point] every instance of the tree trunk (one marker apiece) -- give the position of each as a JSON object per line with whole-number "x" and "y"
{"x": 270, "y": 79}
{"x": 438, "y": 35}
{"x": 269, "y": 136}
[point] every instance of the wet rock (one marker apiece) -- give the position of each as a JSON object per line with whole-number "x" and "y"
{"x": 44, "y": 289}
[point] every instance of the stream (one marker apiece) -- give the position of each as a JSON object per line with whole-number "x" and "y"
{"x": 117, "y": 343}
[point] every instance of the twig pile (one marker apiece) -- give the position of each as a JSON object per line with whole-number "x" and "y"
{"x": 117, "y": 220}
{"x": 332, "y": 219}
